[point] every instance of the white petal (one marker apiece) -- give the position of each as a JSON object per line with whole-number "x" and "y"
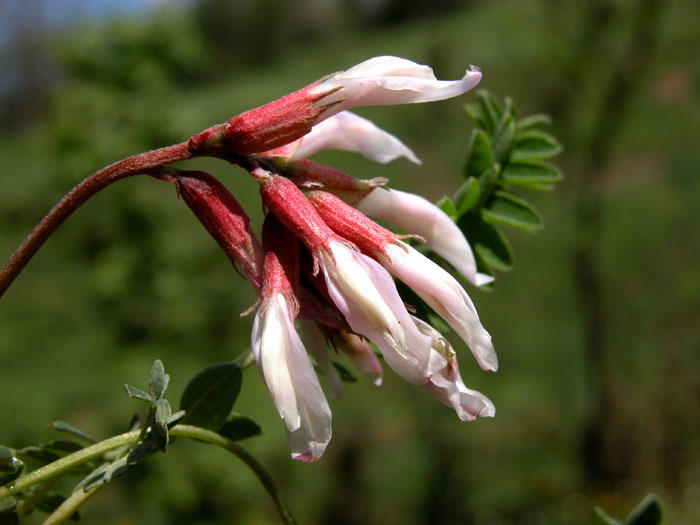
{"x": 318, "y": 348}
{"x": 349, "y": 132}
{"x": 366, "y": 295}
{"x": 446, "y": 383}
{"x": 414, "y": 214}
{"x": 444, "y": 295}
{"x": 291, "y": 380}
{"x": 389, "y": 80}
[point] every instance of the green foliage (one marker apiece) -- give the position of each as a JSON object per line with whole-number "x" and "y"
{"x": 210, "y": 395}
{"x": 207, "y": 402}
{"x": 505, "y": 153}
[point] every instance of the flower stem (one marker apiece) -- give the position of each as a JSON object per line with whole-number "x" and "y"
{"x": 81, "y": 456}
{"x": 264, "y": 476}
{"x": 135, "y": 165}
{"x": 68, "y": 507}
{"x": 68, "y": 462}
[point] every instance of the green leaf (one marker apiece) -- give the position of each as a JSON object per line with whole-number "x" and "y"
{"x": 487, "y": 183}
{"x": 238, "y": 427}
{"x": 62, "y": 446}
{"x": 139, "y": 452}
{"x": 502, "y": 143}
{"x": 175, "y": 418}
{"x": 103, "y": 474}
{"x": 62, "y": 426}
{"x": 159, "y": 427}
{"x": 446, "y": 205}
{"x": 344, "y": 373}
{"x": 535, "y": 145}
{"x": 479, "y": 155}
{"x": 134, "y": 392}
{"x": 475, "y": 113}
{"x": 8, "y": 511}
{"x": 648, "y": 512}
{"x": 158, "y": 380}
{"x": 487, "y": 241}
{"x": 532, "y": 122}
{"x": 507, "y": 209}
{"x": 534, "y": 174}
{"x": 467, "y": 196}
{"x": 210, "y": 395}
{"x": 490, "y": 109}
{"x": 37, "y": 455}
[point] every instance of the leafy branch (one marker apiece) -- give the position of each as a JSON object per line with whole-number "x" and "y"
{"x": 504, "y": 153}
{"x": 205, "y": 416}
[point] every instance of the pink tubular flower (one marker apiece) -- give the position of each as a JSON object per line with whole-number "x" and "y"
{"x": 279, "y": 353}
{"x": 433, "y": 284}
{"x": 359, "y": 287}
{"x": 224, "y": 218}
{"x": 377, "y": 81}
{"x": 416, "y": 215}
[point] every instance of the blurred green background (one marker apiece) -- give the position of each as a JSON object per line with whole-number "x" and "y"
{"x": 598, "y": 392}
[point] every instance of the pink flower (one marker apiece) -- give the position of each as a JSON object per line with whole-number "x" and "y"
{"x": 279, "y": 353}
{"x": 360, "y": 288}
{"x": 224, "y": 219}
{"x": 433, "y": 284}
{"x": 416, "y": 215}
{"x": 377, "y": 81}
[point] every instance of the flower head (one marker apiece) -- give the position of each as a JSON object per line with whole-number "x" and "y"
{"x": 325, "y": 262}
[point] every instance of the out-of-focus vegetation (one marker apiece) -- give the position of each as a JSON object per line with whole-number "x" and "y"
{"x": 133, "y": 277}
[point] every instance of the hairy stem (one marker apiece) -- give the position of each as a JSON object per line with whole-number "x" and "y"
{"x": 130, "y": 438}
{"x": 67, "y": 463}
{"x": 238, "y": 451}
{"x": 69, "y": 507}
{"x": 99, "y": 180}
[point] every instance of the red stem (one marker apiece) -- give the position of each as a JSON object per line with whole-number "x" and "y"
{"x": 136, "y": 165}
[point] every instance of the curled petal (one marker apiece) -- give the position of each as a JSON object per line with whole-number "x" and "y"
{"x": 349, "y": 132}
{"x": 291, "y": 380}
{"x": 444, "y": 295}
{"x": 418, "y": 216}
{"x": 446, "y": 383}
{"x": 388, "y": 80}
{"x": 366, "y": 295}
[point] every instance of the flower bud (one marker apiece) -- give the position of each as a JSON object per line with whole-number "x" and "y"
{"x": 224, "y": 219}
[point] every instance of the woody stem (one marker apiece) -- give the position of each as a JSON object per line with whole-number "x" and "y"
{"x": 135, "y": 165}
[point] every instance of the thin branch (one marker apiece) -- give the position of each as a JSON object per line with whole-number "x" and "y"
{"x": 70, "y": 506}
{"x": 235, "y": 449}
{"x": 67, "y": 463}
{"x": 138, "y": 164}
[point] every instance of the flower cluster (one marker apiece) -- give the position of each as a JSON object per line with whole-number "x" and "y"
{"x": 324, "y": 266}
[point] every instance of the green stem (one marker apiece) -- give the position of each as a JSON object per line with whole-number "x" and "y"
{"x": 67, "y": 463}
{"x": 235, "y": 449}
{"x": 70, "y": 506}
{"x": 130, "y": 438}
